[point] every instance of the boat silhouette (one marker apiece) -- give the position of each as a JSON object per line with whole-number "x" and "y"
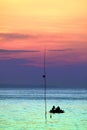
{"x": 56, "y": 110}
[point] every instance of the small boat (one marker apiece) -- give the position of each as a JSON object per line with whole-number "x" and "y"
{"x": 56, "y": 110}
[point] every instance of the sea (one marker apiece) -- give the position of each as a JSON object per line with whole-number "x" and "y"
{"x": 24, "y": 109}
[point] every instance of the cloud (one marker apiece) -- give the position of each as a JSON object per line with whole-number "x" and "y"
{"x": 61, "y": 50}
{"x": 16, "y": 51}
{"x": 14, "y": 36}
{"x": 11, "y": 54}
{"x": 29, "y": 55}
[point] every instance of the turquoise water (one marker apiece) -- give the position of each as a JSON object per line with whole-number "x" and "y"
{"x": 24, "y": 110}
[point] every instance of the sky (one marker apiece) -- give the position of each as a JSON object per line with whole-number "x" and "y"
{"x": 29, "y": 26}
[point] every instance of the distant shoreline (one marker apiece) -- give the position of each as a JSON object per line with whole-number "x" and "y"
{"x": 10, "y": 86}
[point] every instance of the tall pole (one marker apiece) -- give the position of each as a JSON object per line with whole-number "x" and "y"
{"x": 45, "y": 85}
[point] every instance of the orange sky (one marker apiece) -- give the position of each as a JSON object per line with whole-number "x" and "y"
{"x": 43, "y": 16}
{"x": 57, "y": 24}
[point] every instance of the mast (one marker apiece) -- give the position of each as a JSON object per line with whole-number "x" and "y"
{"x": 45, "y": 85}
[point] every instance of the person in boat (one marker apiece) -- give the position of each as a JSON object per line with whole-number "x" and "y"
{"x": 53, "y": 108}
{"x": 52, "y": 111}
{"x": 57, "y": 109}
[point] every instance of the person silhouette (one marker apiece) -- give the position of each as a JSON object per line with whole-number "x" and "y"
{"x": 58, "y": 108}
{"x": 53, "y": 108}
{"x": 52, "y": 111}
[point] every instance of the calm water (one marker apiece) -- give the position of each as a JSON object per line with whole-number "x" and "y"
{"x": 24, "y": 110}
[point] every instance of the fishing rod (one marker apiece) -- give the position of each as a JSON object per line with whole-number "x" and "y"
{"x": 45, "y": 85}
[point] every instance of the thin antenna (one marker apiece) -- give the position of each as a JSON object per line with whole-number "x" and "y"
{"x": 45, "y": 85}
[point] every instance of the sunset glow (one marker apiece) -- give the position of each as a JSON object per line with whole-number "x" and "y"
{"x": 32, "y": 24}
